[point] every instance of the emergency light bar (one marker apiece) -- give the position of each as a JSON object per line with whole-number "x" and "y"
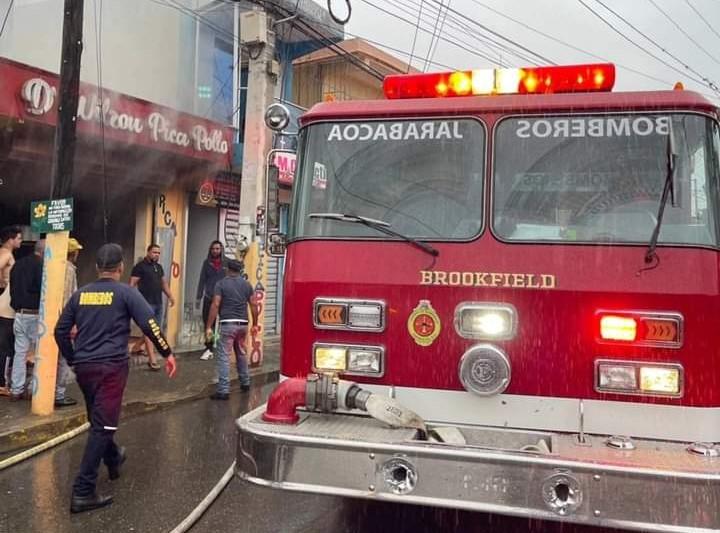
{"x": 532, "y": 80}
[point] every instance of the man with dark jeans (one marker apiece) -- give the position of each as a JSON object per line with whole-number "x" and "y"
{"x": 10, "y": 240}
{"x": 212, "y": 271}
{"x": 149, "y": 278}
{"x": 101, "y": 312}
{"x": 232, "y": 296}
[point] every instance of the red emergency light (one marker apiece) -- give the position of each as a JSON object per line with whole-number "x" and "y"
{"x": 532, "y": 80}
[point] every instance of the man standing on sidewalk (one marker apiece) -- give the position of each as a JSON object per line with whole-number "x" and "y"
{"x": 212, "y": 271}
{"x": 71, "y": 285}
{"x": 149, "y": 278}
{"x": 25, "y": 283}
{"x": 231, "y": 298}
{"x": 101, "y": 312}
{"x": 10, "y": 240}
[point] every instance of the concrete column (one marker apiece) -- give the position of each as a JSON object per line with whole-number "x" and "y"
{"x": 262, "y": 85}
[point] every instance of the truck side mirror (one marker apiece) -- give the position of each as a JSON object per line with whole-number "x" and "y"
{"x": 280, "y": 169}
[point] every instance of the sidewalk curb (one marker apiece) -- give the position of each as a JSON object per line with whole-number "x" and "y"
{"x": 38, "y": 433}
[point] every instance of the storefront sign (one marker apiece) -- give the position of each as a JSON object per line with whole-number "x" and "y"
{"x": 47, "y": 216}
{"x": 30, "y": 93}
{"x": 285, "y": 163}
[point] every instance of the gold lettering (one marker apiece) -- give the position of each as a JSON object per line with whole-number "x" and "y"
{"x": 548, "y": 281}
{"x": 531, "y": 282}
{"x": 96, "y": 298}
{"x": 427, "y": 277}
{"x": 480, "y": 279}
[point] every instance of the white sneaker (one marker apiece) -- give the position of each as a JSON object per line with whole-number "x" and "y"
{"x": 207, "y": 354}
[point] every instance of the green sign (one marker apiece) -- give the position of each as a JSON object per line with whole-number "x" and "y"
{"x": 51, "y": 215}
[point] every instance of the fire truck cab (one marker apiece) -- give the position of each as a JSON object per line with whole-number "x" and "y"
{"x": 502, "y": 293}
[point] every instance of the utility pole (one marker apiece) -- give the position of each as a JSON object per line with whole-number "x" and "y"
{"x": 56, "y": 244}
{"x": 258, "y": 37}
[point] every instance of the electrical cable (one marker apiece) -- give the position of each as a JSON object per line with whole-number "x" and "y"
{"x": 461, "y": 27}
{"x": 432, "y": 35}
{"x": 701, "y": 81}
{"x": 433, "y": 44}
{"x": 101, "y": 114}
{"x": 340, "y": 21}
{"x": 462, "y": 47}
{"x": 414, "y": 41}
{"x": 681, "y": 30}
{"x": 701, "y": 17}
{"x": 498, "y": 35}
{"x": 7, "y": 15}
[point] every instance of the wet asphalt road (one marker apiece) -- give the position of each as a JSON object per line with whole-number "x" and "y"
{"x": 175, "y": 456}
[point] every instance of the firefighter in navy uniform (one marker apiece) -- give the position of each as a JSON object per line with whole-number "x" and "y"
{"x": 101, "y": 311}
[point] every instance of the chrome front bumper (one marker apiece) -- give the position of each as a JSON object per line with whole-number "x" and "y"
{"x": 659, "y": 486}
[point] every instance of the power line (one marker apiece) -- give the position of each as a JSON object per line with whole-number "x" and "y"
{"x": 496, "y": 34}
{"x": 101, "y": 111}
{"x": 5, "y": 19}
{"x": 702, "y": 18}
{"x": 702, "y": 80}
{"x": 462, "y": 26}
{"x": 681, "y": 30}
{"x": 432, "y": 36}
{"x": 458, "y": 45}
{"x": 433, "y": 45}
{"x": 417, "y": 27}
{"x": 407, "y": 6}
{"x": 576, "y": 48}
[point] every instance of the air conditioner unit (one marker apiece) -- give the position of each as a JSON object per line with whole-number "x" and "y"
{"x": 253, "y": 27}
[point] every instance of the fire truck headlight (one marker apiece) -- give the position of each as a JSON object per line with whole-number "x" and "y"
{"x": 349, "y": 359}
{"x": 485, "y": 321}
{"x": 617, "y": 377}
{"x": 634, "y": 377}
{"x": 330, "y": 358}
{"x": 365, "y": 361}
{"x": 662, "y": 380}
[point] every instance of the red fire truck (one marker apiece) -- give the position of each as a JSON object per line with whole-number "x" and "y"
{"x": 502, "y": 294}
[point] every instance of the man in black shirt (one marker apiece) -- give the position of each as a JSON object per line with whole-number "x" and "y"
{"x": 25, "y": 284}
{"x": 149, "y": 278}
{"x": 101, "y": 312}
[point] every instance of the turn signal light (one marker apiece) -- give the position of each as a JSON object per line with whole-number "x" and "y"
{"x": 347, "y": 314}
{"x": 640, "y": 328}
{"x": 530, "y": 80}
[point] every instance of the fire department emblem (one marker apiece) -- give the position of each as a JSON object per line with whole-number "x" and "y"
{"x": 424, "y": 324}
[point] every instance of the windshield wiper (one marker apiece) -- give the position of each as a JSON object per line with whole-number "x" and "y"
{"x": 379, "y": 225}
{"x": 668, "y": 192}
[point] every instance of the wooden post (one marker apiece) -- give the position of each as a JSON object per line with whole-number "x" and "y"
{"x": 57, "y": 242}
{"x": 51, "y": 304}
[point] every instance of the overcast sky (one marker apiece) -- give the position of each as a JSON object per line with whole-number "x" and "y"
{"x": 566, "y": 20}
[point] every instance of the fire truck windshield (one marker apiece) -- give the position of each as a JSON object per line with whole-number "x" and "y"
{"x": 600, "y": 178}
{"x": 423, "y": 177}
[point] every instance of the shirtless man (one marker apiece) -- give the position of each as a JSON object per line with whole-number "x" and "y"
{"x": 10, "y": 240}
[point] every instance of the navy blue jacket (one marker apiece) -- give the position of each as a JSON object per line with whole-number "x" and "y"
{"x": 102, "y": 311}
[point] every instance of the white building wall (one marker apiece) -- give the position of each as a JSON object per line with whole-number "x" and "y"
{"x": 147, "y": 47}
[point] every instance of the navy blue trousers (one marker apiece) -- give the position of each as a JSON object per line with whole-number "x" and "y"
{"x": 102, "y": 385}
